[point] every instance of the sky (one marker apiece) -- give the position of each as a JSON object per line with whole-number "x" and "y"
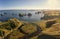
{"x": 29, "y": 4}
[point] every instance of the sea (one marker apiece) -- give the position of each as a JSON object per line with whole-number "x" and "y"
{"x": 9, "y": 14}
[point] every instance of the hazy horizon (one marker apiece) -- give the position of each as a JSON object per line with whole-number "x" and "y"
{"x": 29, "y": 4}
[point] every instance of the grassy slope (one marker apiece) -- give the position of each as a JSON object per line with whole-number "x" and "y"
{"x": 54, "y": 30}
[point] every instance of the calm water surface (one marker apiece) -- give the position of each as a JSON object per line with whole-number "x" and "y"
{"x": 7, "y": 14}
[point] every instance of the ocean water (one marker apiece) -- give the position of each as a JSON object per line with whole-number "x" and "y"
{"x": 8, "y": 14}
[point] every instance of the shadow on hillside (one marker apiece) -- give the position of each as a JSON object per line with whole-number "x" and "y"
{"x": 44, "y": 36}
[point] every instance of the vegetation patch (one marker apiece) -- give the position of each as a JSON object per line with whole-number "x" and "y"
{"x": 50, "y": 23}
{"x": 2, "y": 33}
